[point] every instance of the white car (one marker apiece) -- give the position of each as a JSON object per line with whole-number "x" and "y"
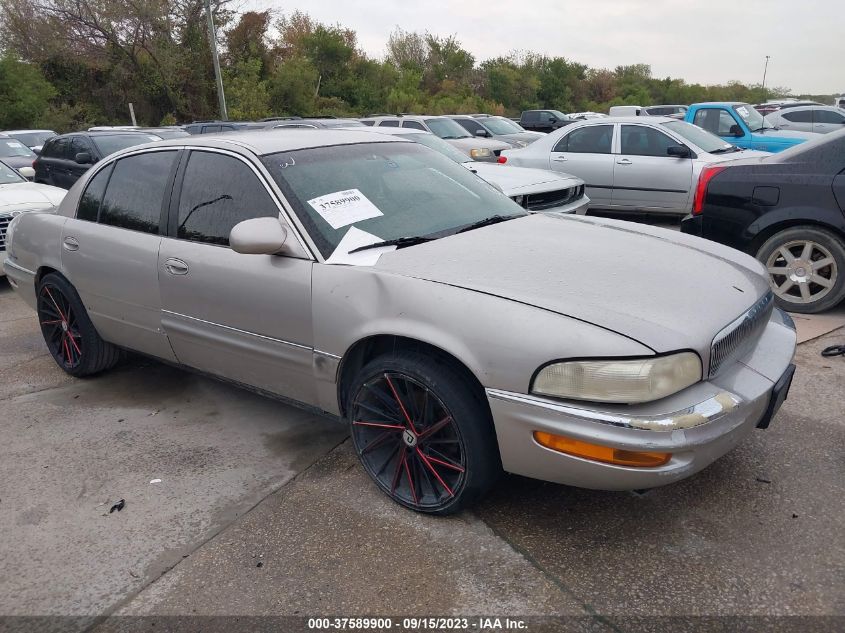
{"x": 536, "y": 190}
{"x": 18, "y": 195}
{"x": 33, "y": 139}
{"x": 808, "y": 118}
{"x": 631, "y": 164}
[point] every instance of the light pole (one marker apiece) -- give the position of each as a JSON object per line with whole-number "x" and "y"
{"x": 765, "y": 69}
{"x": 212, "y": 38}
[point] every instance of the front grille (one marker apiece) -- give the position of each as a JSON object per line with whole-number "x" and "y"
{"x": 550, "y": 199}
{"x": 739, "y": 337}
{"x": 4, "y": 224}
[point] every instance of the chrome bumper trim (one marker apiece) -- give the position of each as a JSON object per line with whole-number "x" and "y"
{"x": 704, "y": 412}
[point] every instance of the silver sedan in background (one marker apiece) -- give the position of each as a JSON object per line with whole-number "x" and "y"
{"x": 376, "y": 280}
{"x": 631, "y": 163}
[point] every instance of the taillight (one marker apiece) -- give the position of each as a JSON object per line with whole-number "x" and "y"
{"x": 33, "y": 163}
{"x": 502, "y": 160}
{"x": 704, "y": 179}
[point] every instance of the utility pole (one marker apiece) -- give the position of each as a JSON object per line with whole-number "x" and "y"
{"x": 765, "y": 69}
{"x": 212, "y": 38}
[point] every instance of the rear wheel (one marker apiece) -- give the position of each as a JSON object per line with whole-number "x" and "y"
{"x": 70, "y": 336}
{"x": 806, "y": 267}
{"x": 422, "y": 433}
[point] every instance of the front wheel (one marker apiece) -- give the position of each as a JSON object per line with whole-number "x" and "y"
{"x": 806, "y": 267}
{"x": 423, "y": 433}
{"x": 70, "y": 336}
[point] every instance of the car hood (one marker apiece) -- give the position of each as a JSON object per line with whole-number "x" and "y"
{"x": 16, "y": 162}
{"x": 664, "y": 289}
{"x": 519, "y": 180}
{"x": 477, "y": 142}
{"x": 525, "y": 137}
{"x": 29, "y": 196}
{"x": 786, "y": 135}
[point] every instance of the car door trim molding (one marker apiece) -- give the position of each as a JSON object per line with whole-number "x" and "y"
{"x": 239, "y": 331}
{"x": 638, "y": 189}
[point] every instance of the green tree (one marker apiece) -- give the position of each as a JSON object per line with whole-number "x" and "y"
{"x": 247, "y": 94}
{"x": 24, "y": 93}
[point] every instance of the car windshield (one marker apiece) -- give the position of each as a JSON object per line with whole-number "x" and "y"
{"x": 753, "y": 119}
{"x": 10, "y": 147}
{"x": 389, "y": 190}
{"x": 697, "y": 136}
{"x": 446, "y": 128}
{"x": 8, "y": 175}
{"x": 111, "y": 143}
{"x": 437, "y": 143}
{"x": 33, "y": 139}
{"x": 500, "y": 126}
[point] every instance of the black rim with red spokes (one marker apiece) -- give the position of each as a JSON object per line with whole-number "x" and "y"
{"x": 408, "y": 441}
{"x": 60, "y": 326}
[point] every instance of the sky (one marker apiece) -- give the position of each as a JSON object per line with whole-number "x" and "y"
{"x": 700, "y": 41}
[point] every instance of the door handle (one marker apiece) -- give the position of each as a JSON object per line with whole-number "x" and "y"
{"x": 176, "y": 266}
{"x": 560, "y": 159}
{"x": 70, "y": 244}
{"x": 624, "y": 161}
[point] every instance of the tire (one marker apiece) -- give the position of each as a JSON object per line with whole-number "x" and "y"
{"x": 423, "y": 433}
{"x": 68, "y": 332}
{"x": 814, "y": 280}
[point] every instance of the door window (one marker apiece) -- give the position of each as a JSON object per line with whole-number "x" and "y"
{"x": 89, "y": 204}
{"x": 799, "y": 116}
{"x": 592, "y": 139}
{"x": 135, "y": 192}
{"x": 414, "y": 125}
{"x": 645, "y": 141}
{"x": 714, "y": 120}
{"x": 78, "y": 145}
{"x": 210, "y": 129}
{"x": 389, "y": 123}
{"x": 58, "y": 148}
{"x": 829, "y": 116}
{"x": 218, "y": 191}
{"x": 471, "y": 126}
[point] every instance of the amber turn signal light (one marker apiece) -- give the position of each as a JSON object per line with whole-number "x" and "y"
{"x": 598, "y": 453}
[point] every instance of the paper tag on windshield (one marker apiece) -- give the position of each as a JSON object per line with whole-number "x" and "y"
{"x": 344, "y": 207}
{"x": 353, "y": 239}
{"x": 743, "y": 111}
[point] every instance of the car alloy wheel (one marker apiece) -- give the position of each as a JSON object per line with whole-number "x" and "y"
{"x": 60, "y": 326}
{"x": 802, "y": 271}
{"x": 408, "y": 441}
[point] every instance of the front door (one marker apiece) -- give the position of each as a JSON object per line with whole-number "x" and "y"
{"x": 585, "y": 152}
{"x": 110, "y": 250}
{"x": 644, "y": 176}
{"x": 242, "y": 317}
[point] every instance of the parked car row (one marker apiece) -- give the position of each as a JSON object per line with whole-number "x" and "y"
{"x": 457, "y": 335}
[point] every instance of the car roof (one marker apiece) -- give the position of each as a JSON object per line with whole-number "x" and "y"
{"x": 622, "y": 119}
{"x": 714, "y": 103}
{"x": 262, "y": 142}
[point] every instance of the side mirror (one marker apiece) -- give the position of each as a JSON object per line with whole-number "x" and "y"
{"x": 735, "y": 130}
{"x": 258, "y": 236}
{"x": 27, "y": 172}
{"x": 83, "y": 158}
{"x": 483, "y": 133}
{"x": 678, "y": 151}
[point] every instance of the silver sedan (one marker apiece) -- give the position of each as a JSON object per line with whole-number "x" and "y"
{"x": 378, "y": 281}
{"x": 631, "y": 163}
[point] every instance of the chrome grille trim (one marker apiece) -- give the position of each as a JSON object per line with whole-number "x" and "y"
{"x": 4, "y": 224}
{"x": 739, "y": 336}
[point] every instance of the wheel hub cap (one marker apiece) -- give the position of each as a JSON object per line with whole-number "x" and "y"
{"x": 802, "y": 271}
{"x": 64, "y": 326}
{"x": 409, "y": 438}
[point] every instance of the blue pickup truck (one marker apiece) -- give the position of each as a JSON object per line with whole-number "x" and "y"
{"x": 741, "y": 125}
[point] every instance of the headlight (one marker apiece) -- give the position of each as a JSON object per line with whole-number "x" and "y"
{"x": 482, "y": 152}
{"x": 622, "y": 381}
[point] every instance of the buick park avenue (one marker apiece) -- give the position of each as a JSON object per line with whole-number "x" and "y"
{"x": 374, "y": 279}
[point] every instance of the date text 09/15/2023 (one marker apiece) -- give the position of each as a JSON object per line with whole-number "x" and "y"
{"x": 478, "y": 623}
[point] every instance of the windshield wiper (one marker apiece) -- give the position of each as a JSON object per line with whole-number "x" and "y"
{"x": 763, "y": 128}
{"x": 398, "y": 242}
{"x": 493, "y": 219}
{"x": 723, "y": 150}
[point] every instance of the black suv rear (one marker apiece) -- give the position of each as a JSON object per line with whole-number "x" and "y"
{"x": 65, "y": 158}
{"x": 543, "y": 120}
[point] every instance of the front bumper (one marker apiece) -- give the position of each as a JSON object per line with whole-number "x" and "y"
{"x": 697, "y": 426}
{"x": 576, "y": 207}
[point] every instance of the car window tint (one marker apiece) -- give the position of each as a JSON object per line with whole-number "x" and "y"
{"x": 645, "y": 141}
{"x": 89, "y": 204}
{"x": 219, "y": 191}
{"x": 829, "y": 116}
{"x": 389, "y": 123}
{"x": 111, "y": 143}
{"x": 414, "y": 125}
{"x": 715, "y": 121}
{"x": 531, "y": 117}
{"x": 593, "y": 139}
{"x": 798, "y": 116}
{"x": 79, "y": 144}
{"x": 136, "y": 190}
{"x": 470, "y": 126}
{"x": 368, "y": 123}
{"x": 210, "y": 129}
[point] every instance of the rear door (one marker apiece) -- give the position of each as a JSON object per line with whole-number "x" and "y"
{"x": 110, "y": 249}
{"x": 796, "y": 119}
{"x": 57, "y": 163}
{"x": 825, "y": 121}
{"x": 80, "y": 145}
{"x": 586, "y": 152}
{"x": 242, "y": 317}
{"x": 645, "y": 176}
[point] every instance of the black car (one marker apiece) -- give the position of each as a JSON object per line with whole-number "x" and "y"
{"x": 66, "y": 157}
{"x": 787, "y": 210}
{"x": 543, "y": 120}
